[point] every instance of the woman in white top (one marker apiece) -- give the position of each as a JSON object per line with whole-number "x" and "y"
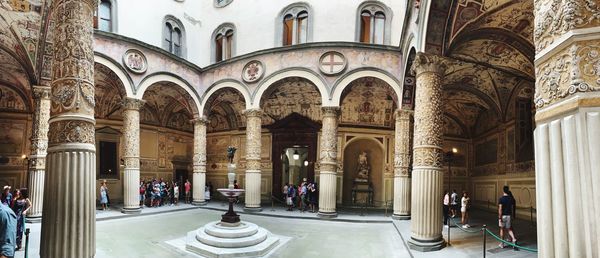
{"x": 207, "y": 193}
{"x": 465, "y": 203}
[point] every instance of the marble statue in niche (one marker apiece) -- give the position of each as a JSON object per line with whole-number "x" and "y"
{"x": 363, "y": 168}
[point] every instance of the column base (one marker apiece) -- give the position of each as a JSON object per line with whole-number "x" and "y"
{"x": 252, "y": 209}
{"x": 199, "y": 203}
{"x": 426, "y": 245}
{"x": 34, "y": 219}
{"x": 401, "y": 217}
{"x": 131, "y": 210}
{"x": 327, "y": 215}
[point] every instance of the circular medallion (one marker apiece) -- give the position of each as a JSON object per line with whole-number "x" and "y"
{"x": 222, "y": 3}
{"x": 135, "y": 61}
{"x": 253, "y": 71}
{"x": 332, "y": 63}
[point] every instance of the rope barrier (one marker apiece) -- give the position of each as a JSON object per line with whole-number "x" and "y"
{"x": 461, "y": 228}
{"x": 510, "y": 243}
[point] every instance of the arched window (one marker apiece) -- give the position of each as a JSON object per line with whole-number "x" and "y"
{"x": 174, "y": 37}
{"x": 294, "y": 25}
{"x": 223, "y": 42}
{"x": 104, "y": 16}
{"x": 374, "y": 23}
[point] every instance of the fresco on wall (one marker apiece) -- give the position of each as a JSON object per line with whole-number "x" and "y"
{"x": 291, "y": 95}
{"x": 10, "y": 100}
{"x": 11, "y": 137}
{"x": 20, "y": 26}
{"x": 168, "y": 105}
{"x": 368, "y": 102}
{"x": 486, "y": 152}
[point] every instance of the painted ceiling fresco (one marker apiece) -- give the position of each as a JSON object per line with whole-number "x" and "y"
{"x": 168, "y": 105}
{"x": 490, "y": 47}
{"x": 20, "y": 29}
{"x": 225, "y": 109}
{"x": 109, "y": 93}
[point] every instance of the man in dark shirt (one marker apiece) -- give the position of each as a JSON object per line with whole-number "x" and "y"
{"x": 8, "y": 232}
{"x": 505, "y": 214}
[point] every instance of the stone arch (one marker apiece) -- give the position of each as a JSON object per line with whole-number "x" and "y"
{"x": 114, "y": 66}
{"x": 346, "y": 79}
{"x": 304, "y": 73}
{"x": 168, "y": 77}
{"x": 223, "y": 84}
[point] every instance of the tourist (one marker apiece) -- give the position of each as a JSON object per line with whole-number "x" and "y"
{"x": 453, "y": 202}
{"x": 6, "y": 195}
{"x": 20, "y": 206}
{"x": 176, "y": 193}
{"x": 207, "y": 193}
{"x": 142, "y": 192}
{"x": 103, "y": 195}
{"x": 285, "y": 191}
{"x": 107, "y": 197}
{"x": 210, "y": 188}
{"x": 156, "y": 199}
{"x": 187, "y": 187}
{"x": 312, "y": 196}
{"x": 446, "y": 208}
{"x": 170, "y": 192}
{"x": 303, "y": 198}
{"x": 8, "y": 231}
{"x": 465, "y": 203}
{"x": 505, "y": 210}
{"x": 290, "y": 197}
{"x": 149, "y": 191}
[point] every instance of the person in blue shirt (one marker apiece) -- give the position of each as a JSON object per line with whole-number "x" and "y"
{"x": 505, "y": 215}
{"x": 8, "y": 231}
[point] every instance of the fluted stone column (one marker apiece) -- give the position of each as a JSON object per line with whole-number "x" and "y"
{"x": 402, "y": 155}
{"x": 199, "y": 160}
{"x": 328, "y": 163}
{"x": 567, "y": 132}
{"x": 253, "y": 148}
{"x": 69, "y": 221}
{"x": 131, "y": 155}
{"x": 39, "y": 148}
{"x": 427, "y": 174}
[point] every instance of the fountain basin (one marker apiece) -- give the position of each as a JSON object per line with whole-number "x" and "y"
{"x": 231, "y": 192}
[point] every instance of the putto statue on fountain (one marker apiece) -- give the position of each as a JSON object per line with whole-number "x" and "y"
{"x": 230, "y": 153}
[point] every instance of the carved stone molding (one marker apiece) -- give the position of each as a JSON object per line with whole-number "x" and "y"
{"x": 330, "y": 111}
{"x": 575, "y": 69}
{"x": 41, "y": 92}
{"x": 328, "y": 143}
{"x": 555, "y": 18}
{"x": 429, "y": 63}
{"x": 253, "y": 133}
{"x": 133, "y": 104}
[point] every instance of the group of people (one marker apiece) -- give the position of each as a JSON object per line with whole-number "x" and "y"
{"x": 303, "y": 196}
{"x": 15, "y": 205}
{"x": 158, "y": 192}
{"x": 506, "y": 211}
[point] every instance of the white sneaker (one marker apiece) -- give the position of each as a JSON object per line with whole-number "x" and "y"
{"x": 465, "y": 226}
{"x": 445, "y": 226}
{"x": 501, "y": 245}
{"x": 468, "y": 226}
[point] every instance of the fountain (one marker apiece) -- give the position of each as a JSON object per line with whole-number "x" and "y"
{"x": 230, "y": 237}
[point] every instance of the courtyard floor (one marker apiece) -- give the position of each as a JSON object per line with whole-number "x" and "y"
{"x": 372, "y": 234}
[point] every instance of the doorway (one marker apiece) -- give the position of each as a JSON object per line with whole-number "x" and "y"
{"x": 293, "y": 134}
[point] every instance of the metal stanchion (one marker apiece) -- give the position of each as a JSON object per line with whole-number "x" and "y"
{"x": 483, "y": 230}
{"x": 449, "y": 225}
{"x": 26, "y": 243}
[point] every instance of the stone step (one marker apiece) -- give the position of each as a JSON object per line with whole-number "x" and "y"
{"x": 243, "y": 230}
{"x": 245, "y": 241}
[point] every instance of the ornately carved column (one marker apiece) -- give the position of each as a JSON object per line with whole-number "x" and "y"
{"x": 567, "y": 133}
{"x": 253, "y": 148}
{"x": 69, "y": 221}
{"x": 427, "y": 174}
{"x": 402, "y": 155}
{"x": 131, "y": 155}
{"x": 199, "y": 177}
{"x": 328, "y": 163}
{"x": 39, "y": 148}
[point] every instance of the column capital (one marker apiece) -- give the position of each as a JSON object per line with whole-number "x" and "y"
{"x": 199, "y": 121}
{"x": 41, "y": 92}
{"x": 132, "y": 103}
{"x": 253, "y": 112}
{"x": 331, "y": 111}
{"x": 429, "y": 63}
{"x": 401, "y": 114}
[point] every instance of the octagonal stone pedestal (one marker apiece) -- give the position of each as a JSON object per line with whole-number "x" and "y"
{"x": 218, "y": 239}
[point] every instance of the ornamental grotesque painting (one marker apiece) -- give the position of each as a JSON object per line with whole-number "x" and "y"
{"x": 369, "y": 102}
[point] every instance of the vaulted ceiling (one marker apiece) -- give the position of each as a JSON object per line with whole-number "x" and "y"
{"x": 167, "y": 104}
{"x": 490, "y": 45}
